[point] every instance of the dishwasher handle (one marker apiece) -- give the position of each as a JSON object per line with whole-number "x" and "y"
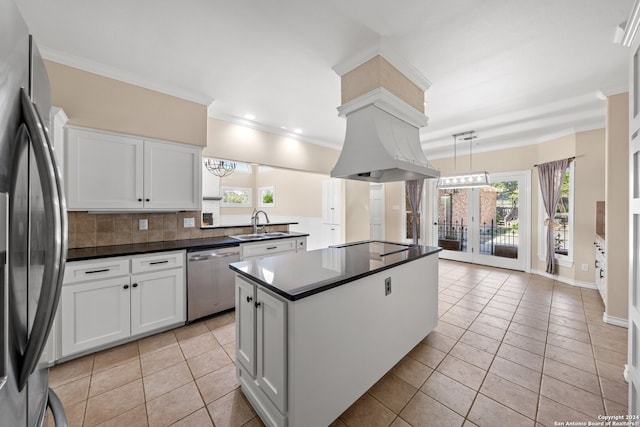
{"x": 205, "y": 257}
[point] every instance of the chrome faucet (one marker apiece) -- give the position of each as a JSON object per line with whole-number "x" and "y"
{"x": 256, "y": 221}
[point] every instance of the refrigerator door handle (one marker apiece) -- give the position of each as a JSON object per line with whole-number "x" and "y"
{"x": 56, "y": 243}
{"x": 54, "y": 403}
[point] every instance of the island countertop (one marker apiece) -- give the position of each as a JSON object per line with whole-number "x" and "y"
{"x": 299, "y": 275}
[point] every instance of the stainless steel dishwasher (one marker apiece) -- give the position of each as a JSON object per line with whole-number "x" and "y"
{"x": 210, "y": 281}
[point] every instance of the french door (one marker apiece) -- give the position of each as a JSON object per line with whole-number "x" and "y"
{"x": 632, "y": 370}
{"x": 486, "y": 225}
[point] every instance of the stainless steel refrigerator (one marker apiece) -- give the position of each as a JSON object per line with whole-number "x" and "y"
{"x": 32, "y": 228}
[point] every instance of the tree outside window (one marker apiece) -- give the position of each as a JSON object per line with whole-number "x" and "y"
{"x": 409, "y": 218}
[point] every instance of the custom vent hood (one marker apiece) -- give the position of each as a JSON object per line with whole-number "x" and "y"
{"x": 382, "y": 141}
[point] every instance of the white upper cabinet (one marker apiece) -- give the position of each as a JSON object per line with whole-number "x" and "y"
{"x": 107, "y": 171}
{"x": 103, "y": 171}
{"x": 172, "y": 176}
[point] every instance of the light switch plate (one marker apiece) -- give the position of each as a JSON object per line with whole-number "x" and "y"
{"x": 189, "y": 222}
{"x": 143, "y": 224}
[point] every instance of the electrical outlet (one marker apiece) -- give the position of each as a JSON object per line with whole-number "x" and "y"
{"x": 189, "y": 222}
{"x": 143, "y": 224}
{"x": 387, "y": 286}
{"x": 585, "y": 267}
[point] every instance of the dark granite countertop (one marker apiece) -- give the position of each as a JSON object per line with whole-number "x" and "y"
{"x": 299, "y": 275}
{"x": 80, "y": 254}
{"x": 269, "y": 224}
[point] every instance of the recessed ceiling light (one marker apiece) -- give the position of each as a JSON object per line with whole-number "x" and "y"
{"x": 298, "y": 131}
{"x": 250, "y": 116}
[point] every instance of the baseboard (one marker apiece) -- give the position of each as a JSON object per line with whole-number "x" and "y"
{"x": 616, "y": 321}
{"x": 578, "y": 283}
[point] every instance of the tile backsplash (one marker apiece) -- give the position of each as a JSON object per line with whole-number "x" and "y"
{"x": 89, "y": 230}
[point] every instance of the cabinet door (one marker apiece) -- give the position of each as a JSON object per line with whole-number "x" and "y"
{"x": 271, "y": 355}
{"x": 331, "y": 201}
{"x": 330, "y": 235}
{"x": 157, "y": 300}
{"x": 94, "y": 314}
{"x": 246, "y": 325}
{"x": 172, "y": 176}
{"x": 301, "y": 244}
{"x": 103, "y": 171}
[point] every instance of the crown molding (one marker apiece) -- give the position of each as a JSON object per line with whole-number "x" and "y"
{"x": 506, "y": 142}
{"x": 633, "y": 23}
{"x": 385, "y": 100}
{"x": 123, "y": 76}
{"x": 383, "y": 49}
{"x": 219, "y": 115}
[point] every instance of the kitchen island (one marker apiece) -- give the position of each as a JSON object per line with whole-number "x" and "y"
{"x": 315, "y": 330}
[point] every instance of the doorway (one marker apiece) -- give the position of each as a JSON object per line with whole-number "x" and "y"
{"x": 486, "y": 225}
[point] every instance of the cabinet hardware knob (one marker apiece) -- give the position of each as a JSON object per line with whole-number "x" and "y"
{"x": 249, "y": 299}
{"x": 139, "y": 200}
{"x": 147, "y": 200}
{"x": 125, "y": 287}
{"x": 258, "y": 304}
{"x": 135, "y": 285}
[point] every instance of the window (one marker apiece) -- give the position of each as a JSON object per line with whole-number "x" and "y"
{"x": 408, "y": 216}
{"x": 236, "y": 197}
{"x": 267, "y": 197}
{"x": 563, "y": 222}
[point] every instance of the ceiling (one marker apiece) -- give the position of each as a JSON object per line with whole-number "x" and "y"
{"x": 515, "y": 72}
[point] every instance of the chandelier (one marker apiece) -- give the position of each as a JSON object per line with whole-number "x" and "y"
{"x": 464, "y": 180}
{"x": 220, "y": 168}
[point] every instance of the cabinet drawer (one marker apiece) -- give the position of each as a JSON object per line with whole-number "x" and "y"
{"x": 82, "y": 271}
{"x": 158, "y": 261}
{"x": 268, "y": 248}
{"x": 301, "y": 244}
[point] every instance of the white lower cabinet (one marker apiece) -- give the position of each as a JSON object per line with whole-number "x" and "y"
{"x": 94, "y": 314}
{"x": 331, "y": 235}
{"x": 261, "y": 348}
{"x": 157, "y": 300}
{"x": 265, "y": 248}
{"x": 246, "y": 325}
{"x": 98, "y": 309}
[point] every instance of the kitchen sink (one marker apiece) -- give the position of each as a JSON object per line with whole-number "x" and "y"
{"x": 259, "y": 236}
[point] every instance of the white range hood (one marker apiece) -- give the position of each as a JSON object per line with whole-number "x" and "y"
{"x": 382, "y": 141}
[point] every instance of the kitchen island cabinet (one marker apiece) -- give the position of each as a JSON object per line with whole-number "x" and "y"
{"x": 315, "y": 330}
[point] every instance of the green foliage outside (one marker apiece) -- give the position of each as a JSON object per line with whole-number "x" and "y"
{"x": 237, "y": 197}
{"x": 267, "y": 197}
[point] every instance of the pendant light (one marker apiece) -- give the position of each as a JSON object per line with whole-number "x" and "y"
{"x": 464, "y": 180}
{"x": 220, "y": 168}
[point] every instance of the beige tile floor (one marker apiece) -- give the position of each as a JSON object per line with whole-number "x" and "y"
{"x": 510, "y": 349}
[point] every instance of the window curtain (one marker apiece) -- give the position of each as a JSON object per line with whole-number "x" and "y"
{"x": 550, "y": 176}
{"x": 414, "y": 190}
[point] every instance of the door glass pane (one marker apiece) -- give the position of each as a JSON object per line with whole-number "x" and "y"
{"x": 636, "y": 80}
{"x": 452, "y": 219}
{"x": 635, "y": 268}
{"x": 636, "y": 176}
{"x": 410, "y": 220}
{"x": 499, "y": 219}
